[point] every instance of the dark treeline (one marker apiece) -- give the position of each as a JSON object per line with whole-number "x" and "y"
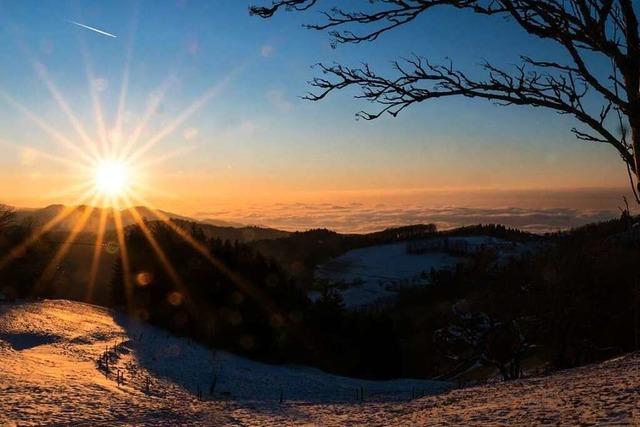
{"x": 21, "y": 272}
{"x": 37, "y": 263}
{"x": 251, "y": 306}
{"x": 493, "y": 230}
{"x": 233, "y": 307}
{"x": 247, "y": 233}
{"x": 302, "y": 251}
{"x": 573, "y": 300}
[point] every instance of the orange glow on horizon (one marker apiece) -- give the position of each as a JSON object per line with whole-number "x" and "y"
{"x": 106, "y": 170}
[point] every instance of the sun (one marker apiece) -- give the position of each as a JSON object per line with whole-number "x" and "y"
{"x": 112, "y": 178}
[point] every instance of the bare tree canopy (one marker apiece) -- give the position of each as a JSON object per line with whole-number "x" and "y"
{"x": 585, "y": 29}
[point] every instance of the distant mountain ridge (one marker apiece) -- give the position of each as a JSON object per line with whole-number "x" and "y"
{"x": 41, "y": 216}
{"x": 211, "y": 227}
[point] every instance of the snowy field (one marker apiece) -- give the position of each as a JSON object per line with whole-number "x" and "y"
{"x": 49, "y": 353}
{"x": 602, "y": 394}
{"x": 378, "y": 270}
{"x": 375, "y": 273}
{"x": 49, "y": 375}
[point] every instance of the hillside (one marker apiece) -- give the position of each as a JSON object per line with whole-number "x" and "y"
{"x": 373, "y": 274}
{"x": 74, "y": 269}
{"x": 71, "y": 215}
{"x": 602, "y": 394}
{"x": 48, "y": 351}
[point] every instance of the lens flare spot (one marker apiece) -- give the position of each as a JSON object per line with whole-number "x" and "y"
{"x": 175, "y": 298}
{"x": 143, "y": 279}
{"x": 112, "y": 247}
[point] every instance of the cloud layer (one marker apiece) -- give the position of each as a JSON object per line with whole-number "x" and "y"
{"x": 359, "y": 218}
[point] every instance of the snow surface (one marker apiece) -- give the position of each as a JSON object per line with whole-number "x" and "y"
{"x": 48, "y": 375}
{"x": 380, "y": 269}
{"x": 374, "y": 274}
{"x": 49, "y": 352}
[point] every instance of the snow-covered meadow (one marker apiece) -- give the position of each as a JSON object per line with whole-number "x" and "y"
{"x": 373, "y": 274}
{"x": 49, "y": 376}
{"x": 49, "y": 354}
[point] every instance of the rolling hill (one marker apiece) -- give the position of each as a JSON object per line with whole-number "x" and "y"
{"x": 74, "y": 269}
{"x": 53, "y": 357}
{"x": 211, "y": 228}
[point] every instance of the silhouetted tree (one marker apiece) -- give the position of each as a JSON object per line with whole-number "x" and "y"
{"x": 19, "y": 276}
{"x": 7, "y": 216}
{"x": 590, "y": 32}
{"x": 197, "y": 298}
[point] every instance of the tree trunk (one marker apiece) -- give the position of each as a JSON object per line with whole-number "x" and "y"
{"x": 631, "y": 74}
{"x": 634, "y": 123}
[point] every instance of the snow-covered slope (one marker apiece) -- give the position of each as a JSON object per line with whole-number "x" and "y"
{"x": 374, "y": 274}
{"x": 379, "y": 269}
{"x": 48, "y": 375}
{"x": 601, "y": 394}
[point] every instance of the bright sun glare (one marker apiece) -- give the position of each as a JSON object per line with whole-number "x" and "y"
{"x": 112, "y": 177}
{"x": 112, "y": 163}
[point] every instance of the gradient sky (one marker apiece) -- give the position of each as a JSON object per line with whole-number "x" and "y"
{"x": 255, "y": 142}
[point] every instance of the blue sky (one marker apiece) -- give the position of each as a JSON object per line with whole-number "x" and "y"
{"x": 255, "y": 139}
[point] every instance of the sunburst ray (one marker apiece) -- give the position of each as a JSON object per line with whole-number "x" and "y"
{"x": 157, "y": 249}
{"x": 48, "y": 129}
{"x": 180, "y": 119}
{"x": 41, "y": 153}
{"x": 60, "y": 254}
{"x": 83, "y": 187}
{"x": 19, "y": 249}
{"x": 97, "y": 253}
{"x": 141, "y": 187}
{"x": 43, "y": 74}
{"x": 158, "y": 96}
{"x": 93, "y": 83}
{"x": 237, "y": 279}
{"x": 124, "y": 255}
{"x": 143, "y": 164}
{"x": 124, "y": 84}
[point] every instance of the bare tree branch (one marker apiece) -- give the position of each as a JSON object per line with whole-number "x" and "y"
{"x": 418, "y": 81}
{"x": 583, "y": 28}
{"x": 267, "y": 12}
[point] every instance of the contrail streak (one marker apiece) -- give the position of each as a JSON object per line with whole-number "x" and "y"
{"x": 93, "y": 29}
